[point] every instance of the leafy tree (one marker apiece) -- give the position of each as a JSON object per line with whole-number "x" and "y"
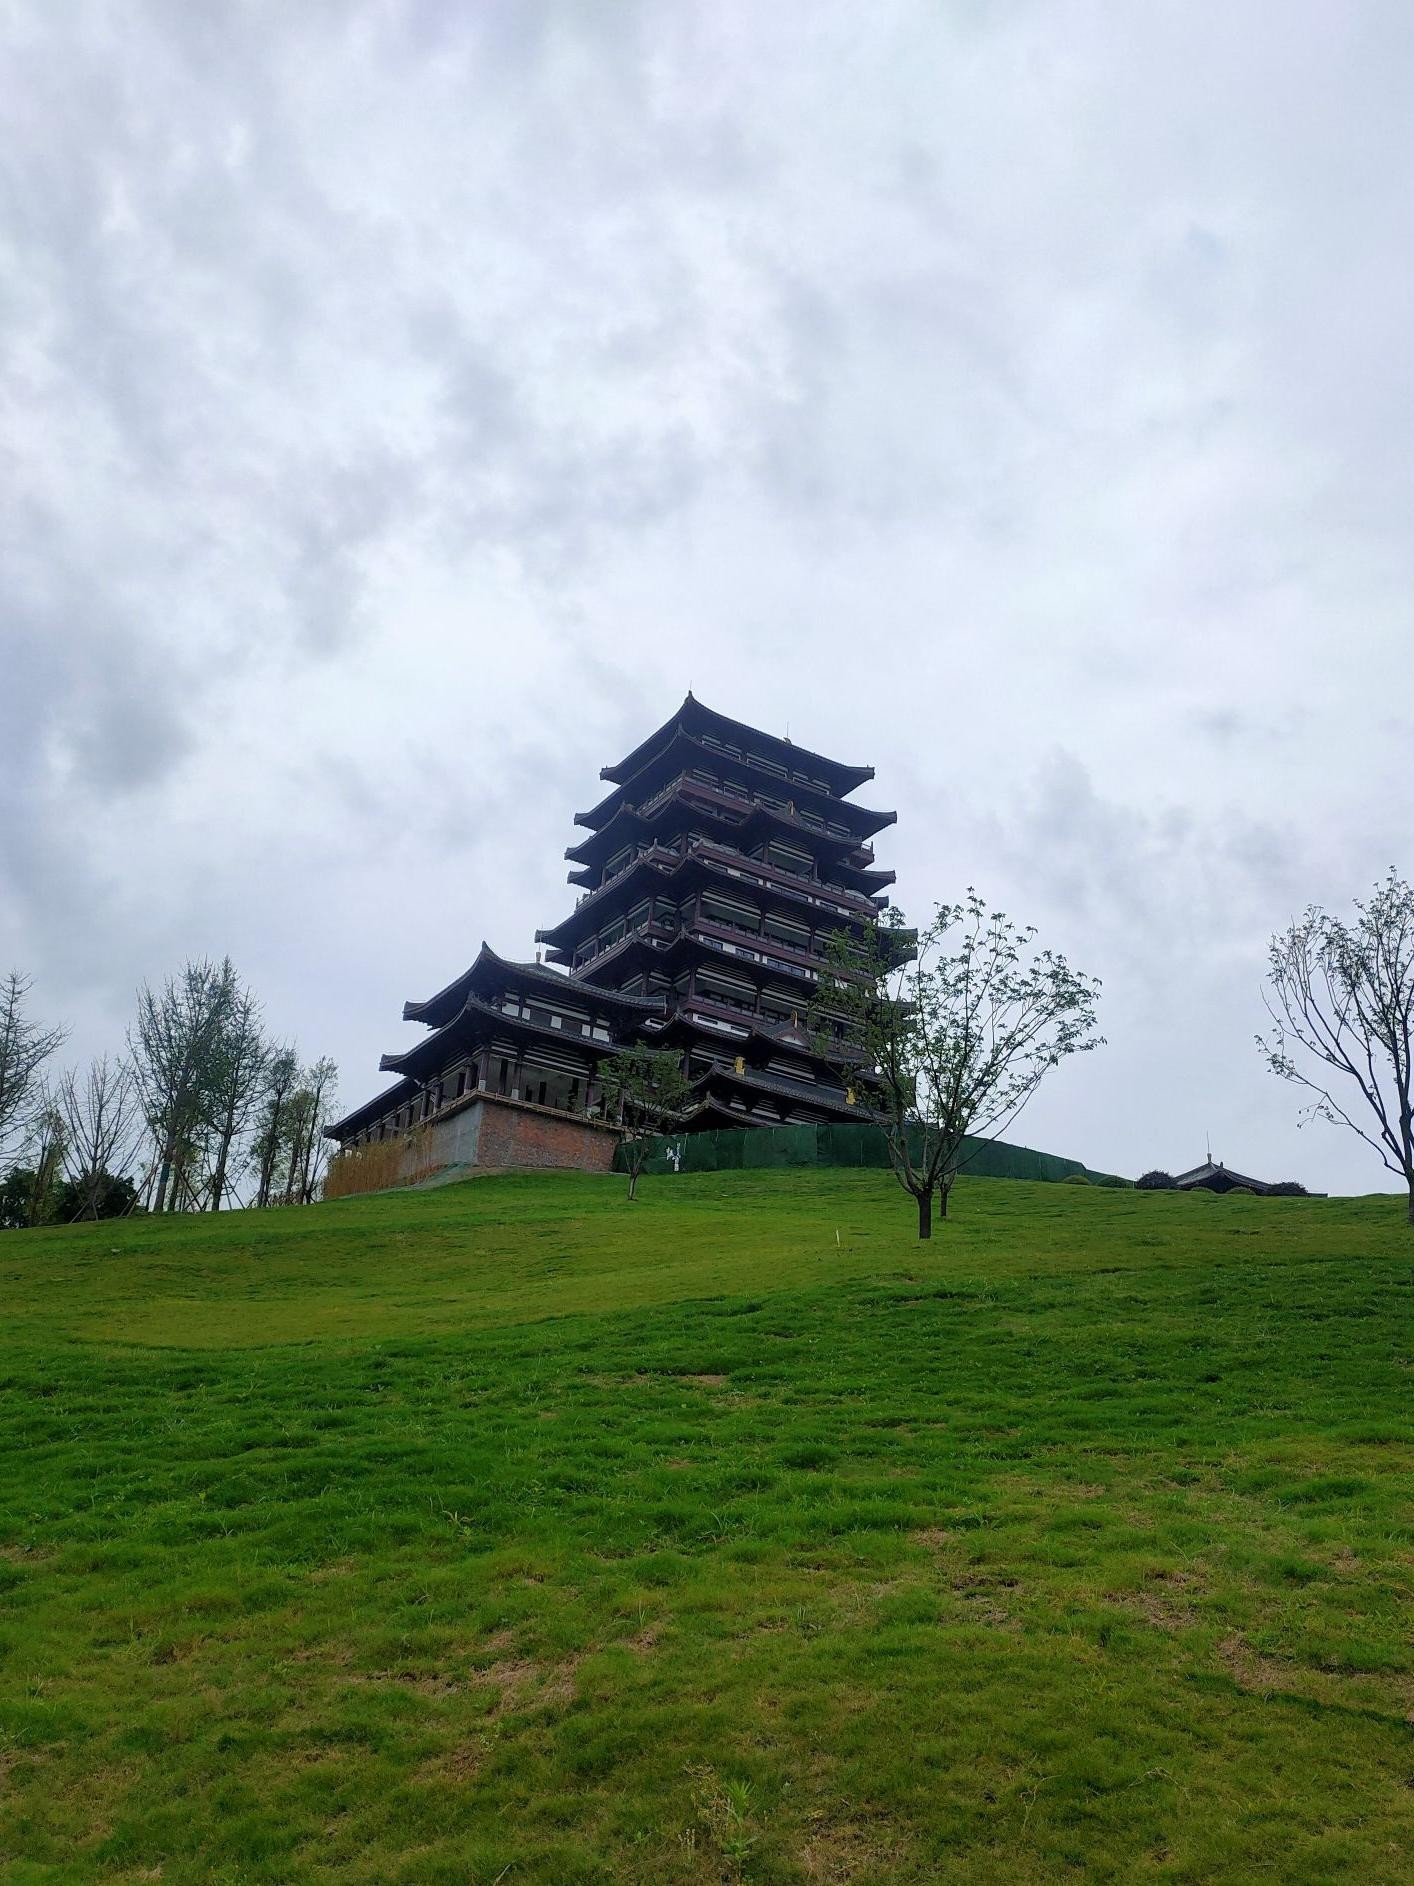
{"x": 101, "y": 1195}
{"x": 26, "y": 1200}
{"x": 1155, "y": 1181}
{"x": 17, "y": 1190}
{"x": 24, "y": 1048}
{"x": 646, "y": 1091}
{"x": 1341, "y": 999}
{"x": 49, "y": 1140}
{"x": 1287, "y": 1188}
{"x": 956, "y": 1038}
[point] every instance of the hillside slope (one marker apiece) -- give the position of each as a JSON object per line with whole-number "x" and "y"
{"x": 506, "y": 1532}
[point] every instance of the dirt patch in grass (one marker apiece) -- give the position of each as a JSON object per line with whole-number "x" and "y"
{"x": 1261, "y": 1675}
{"x": 523, "y": 1683}
{"x": 456, "y": 1767}
{"x": 1156, "y": 1606}
{"x": 336, "y": 1568}
{"x": 839, "y": 1853}
{"x": 935, "y": 1538}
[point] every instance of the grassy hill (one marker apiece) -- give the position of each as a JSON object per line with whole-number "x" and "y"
{"x": 506, "y": 1533}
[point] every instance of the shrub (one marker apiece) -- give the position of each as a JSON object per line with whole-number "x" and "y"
{"x": 1240, "y": 1191}
{"x": 1112, "y": 1182}
{"x": 1155, "y": 1181}
{"x": 383, "y": 1163}
{"x": 1287, "y": 1188}
{"x": 1076, "y": 1178}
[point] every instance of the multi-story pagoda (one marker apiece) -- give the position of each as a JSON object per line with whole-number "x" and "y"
{"x": 713, "y": 875}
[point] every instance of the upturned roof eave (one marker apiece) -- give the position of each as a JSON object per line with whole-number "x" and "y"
{"x": 599, "y": 816}
{"x": 371, "y": 1110}
{"x": 493, "y": 1018}
{"x": 670, "y": 866}
{"x": 694, "y": 713}
{"x": 684, "y": 1024}
{"x": 536, "y": 974}
{"x": 1210, "y": 1168}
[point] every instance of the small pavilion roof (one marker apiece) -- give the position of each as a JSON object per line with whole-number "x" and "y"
{"x": 1215, "y": 1169}
{"x": 696, "y": 717}
{"x": 490, "y": 970}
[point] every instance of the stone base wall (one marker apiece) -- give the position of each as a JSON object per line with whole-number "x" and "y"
{"x": 486, "y": 1132}
{"x": 517, "y": 1133}
{"x": 493, "y": 1133}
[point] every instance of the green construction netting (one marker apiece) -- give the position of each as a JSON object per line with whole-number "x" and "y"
{"x": 732, "y": 1149}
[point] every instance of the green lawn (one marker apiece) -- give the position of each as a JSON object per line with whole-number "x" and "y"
{"x": 509, "y": 1533}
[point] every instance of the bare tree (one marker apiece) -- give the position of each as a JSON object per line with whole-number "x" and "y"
{"x": 239, "y": 1056}
{"x": 24, "y": 1048}
{"x": 956, "y": 1039}
{"x": 646, "y": 1091}
{"x": 274, "y": 1110}
{"x": 173, "y": 1049}
{"x": 308, "y": 1148}
{"x": 103, "y": 1121}
{"x": 1341, "y": 999}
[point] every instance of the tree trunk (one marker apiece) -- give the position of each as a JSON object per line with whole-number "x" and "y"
{"x": 943, "y": 1191}
{"x": 925, "y": 1214}
{"x": 1411, "y": 1203}
{"x": 223, "y": 1154}
{"x": 633, "y": 1182}
{"x": 164, "y": 1173}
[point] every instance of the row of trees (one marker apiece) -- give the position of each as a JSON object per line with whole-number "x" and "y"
{"x": 203, "y": 1110}
{"x": 952, "y": 1044}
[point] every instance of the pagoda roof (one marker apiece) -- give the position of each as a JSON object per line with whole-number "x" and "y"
{"x": 756, "y": 1080}
{"x": 655, "y": 944}
{"x": 372, "y": 1110}
{"x": 475, "y": 1020}
{"x": 662, "y": 867}
{"x": 658, "y": 779}
{"x": 714, "y": 1110}
{"x": 695, "y": 717}
{"x": 755, "y": 1037}
{"x": 1215, "y": 1169}
{"x": 491, "y": 970}
{"x": 686, "y": 793}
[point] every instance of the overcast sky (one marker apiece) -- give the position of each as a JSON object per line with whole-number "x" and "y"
{"x": 402, "y": 406}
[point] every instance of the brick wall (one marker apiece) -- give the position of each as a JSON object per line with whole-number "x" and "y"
{"x": 514, "y": 1133}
